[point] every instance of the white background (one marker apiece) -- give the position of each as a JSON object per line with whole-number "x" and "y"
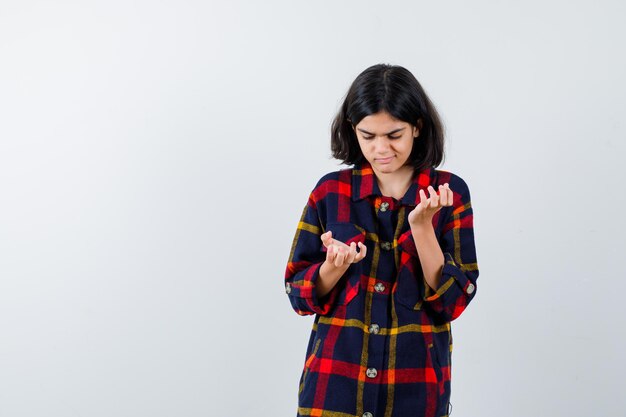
{"x": 155, "y": 158}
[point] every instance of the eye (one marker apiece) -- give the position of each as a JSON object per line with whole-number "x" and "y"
{"x": 372, "y": 137}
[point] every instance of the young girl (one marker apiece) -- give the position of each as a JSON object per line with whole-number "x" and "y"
{"x": 384, "y": 257}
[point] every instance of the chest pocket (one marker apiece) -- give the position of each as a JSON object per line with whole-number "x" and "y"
{"x": 409, "y": 288}
{"x": 350, "y": 283}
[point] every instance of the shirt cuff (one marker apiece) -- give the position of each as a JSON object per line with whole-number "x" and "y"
{"x": 305, "y": 293}
{"x": 453, "y": 282}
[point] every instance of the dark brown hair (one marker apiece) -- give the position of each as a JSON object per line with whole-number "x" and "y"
{"x": 393, "y": 89}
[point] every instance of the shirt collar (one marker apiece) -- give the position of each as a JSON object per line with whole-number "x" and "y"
{"x": 364, "y": 184}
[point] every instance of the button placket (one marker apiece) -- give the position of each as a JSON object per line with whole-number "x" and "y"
{"x": 384, "y": 221}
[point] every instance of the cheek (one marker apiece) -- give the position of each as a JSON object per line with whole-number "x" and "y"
{"x": 404, "y": 147}
{"x": 364, "y": 148}
{"x": 409, "y": 145}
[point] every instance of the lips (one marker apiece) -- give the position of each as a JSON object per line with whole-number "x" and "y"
{"x": 384, "y": 160}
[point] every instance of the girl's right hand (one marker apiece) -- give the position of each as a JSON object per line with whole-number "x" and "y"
{"x": 339, "y": 254}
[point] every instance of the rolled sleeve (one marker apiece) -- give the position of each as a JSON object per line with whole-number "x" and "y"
{"x": 460, "y": 270}
{"x": 306, "y": 258}
{"x": 303, "y": 295}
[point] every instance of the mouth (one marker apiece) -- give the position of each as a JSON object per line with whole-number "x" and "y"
{"x": 384, "y": 160}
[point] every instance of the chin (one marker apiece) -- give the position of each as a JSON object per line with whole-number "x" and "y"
{"x": 387, "y": 168}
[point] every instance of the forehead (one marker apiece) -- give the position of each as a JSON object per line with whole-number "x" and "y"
{"x": 380, "y": 121}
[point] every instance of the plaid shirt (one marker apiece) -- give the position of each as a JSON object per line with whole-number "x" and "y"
{"x": 381, "y": 341}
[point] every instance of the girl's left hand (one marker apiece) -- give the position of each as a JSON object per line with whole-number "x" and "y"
{"x": 423, "y": 213}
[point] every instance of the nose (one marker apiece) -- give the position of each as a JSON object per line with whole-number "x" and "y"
{"x": 381, "y": 144}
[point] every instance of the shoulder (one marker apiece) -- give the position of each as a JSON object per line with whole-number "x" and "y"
{"x": 332, "y": 182}
{"x": 333, "y": 177}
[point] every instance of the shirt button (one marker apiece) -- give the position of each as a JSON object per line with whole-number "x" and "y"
{"x": 371, "y": 372}
{"x": 384, "y": 206}
{"x": 374, "y": 328}
{"x": 470, "y": 288}
{"x": 368, "y": 414}
{"x": 287, "y": 288}
{"x": 385, "y": 245}
{"x": 379, "y": 287}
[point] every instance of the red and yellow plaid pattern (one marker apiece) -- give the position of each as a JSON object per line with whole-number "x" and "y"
{"x": 381, "y": 342}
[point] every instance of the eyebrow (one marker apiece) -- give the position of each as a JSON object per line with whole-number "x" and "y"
{"x": 389, "y": 133}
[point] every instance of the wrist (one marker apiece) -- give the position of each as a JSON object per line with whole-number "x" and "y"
{"x": 331, "y": 265}
{"x": 421, "y": 226}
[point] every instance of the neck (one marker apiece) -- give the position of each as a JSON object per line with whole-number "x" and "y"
{"x": 395, "y": 184}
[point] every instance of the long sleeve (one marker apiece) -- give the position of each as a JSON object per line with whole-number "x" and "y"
{"x": 460, "y": 270}
{"x": 306, "y": 258}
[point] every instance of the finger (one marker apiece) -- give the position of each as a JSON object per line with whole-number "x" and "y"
{"x": 362, "y": 252}
{"x": 340, "y": 257}
{"x": 327, "y": 239}
{"x": 450, "y": 195}
{"x": 423, "y": 199}
{"x": 351, "y": 253}
{"x": 330, "y": 254}
{"x": 342, "y": 245}
{"x": 443, "y": 195}
{"x": 434, "y": 198}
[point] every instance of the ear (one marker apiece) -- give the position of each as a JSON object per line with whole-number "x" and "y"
{"x": 417, "y": 128}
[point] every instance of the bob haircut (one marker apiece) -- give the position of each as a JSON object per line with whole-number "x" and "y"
{"x": 393, "y": 89}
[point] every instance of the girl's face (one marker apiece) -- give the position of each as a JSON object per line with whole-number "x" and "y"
{"x": 386, "y": 142}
